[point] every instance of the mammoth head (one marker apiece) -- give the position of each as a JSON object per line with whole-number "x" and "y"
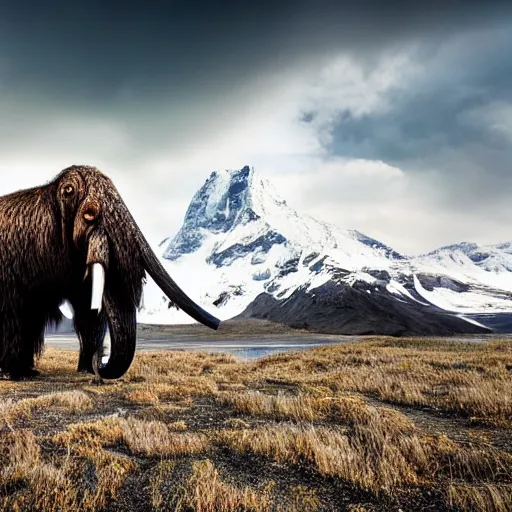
{"x": 105, "y": 242}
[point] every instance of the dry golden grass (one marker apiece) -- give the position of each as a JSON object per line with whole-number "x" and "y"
{"x": 161, "y": 475}
{"x": 474, "y": 463}
{"x": 163, "y": 411}
{"x": 380, "y": 449}
{"x": 171, "y": 367}
{"x": 206, "y": 491}
{"x": 56, "y": 484}
{"x": 365, "y": 459}
{"x": 345, "y": 409}
{"x": 7, "y": 410}
{"x": 299, "y": 408}
{"x": 303, "y": 499}
{"x": 155, "y": 438}
{"x": 140, "y": 437}
{"x": 49, "y": 487}
{"x": 483, "y": 498}
{"x": 334, "y": 412}
{"x": 67, "y": 401}
{"x": 154, "y": 391}
{"x": 142, "y": 396}
{"x": 469, "y": 379}
{"x": 236, "y": 423}
{"x": 70, "y": 402}
{"x": 180, "y": 426}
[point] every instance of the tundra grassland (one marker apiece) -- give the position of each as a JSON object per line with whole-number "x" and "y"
{"x": 379, "y": 424}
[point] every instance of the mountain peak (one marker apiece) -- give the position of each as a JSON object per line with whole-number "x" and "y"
{"x": 242, "y": 177}
{"x": 225, "y": 200}
{"x": 465, "y": 247}
{"x": 238, "y": 211}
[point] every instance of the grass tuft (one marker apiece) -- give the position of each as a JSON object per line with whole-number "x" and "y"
{"x": 206, "y": 491}
{"x": 482, "y": 498}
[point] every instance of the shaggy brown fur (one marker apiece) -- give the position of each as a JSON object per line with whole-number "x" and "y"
{"x": 49, "y": 238}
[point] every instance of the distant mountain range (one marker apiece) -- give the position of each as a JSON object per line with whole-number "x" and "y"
{"x": 242, "y": 251}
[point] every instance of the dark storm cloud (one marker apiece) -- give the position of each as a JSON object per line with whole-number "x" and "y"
{"x": 452, "y": 121}
{"x": 88, "y": 51}
{"x": 148, "y": 67}
{"x": 123, "y": 84}
{"x": 417, "y": 126}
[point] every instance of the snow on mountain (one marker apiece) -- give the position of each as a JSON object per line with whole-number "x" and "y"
{"x": 239, "y": 212}
{"x": 489, "y": 264}
{"x": 474, "y": 300}
{"x": 483, "y": 274}
{"x": 240, "y": 239}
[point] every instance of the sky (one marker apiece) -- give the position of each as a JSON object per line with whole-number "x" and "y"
{"x": 392, "y": 118}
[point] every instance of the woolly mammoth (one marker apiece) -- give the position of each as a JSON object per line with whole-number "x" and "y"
{"x": 74, "y": 239}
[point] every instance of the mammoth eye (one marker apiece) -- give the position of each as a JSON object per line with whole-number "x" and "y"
{"x": 68, "y": 190}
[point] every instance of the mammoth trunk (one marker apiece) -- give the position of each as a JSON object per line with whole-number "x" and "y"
{"x": 130, "y": 257}
{"x": 155, "y": 269}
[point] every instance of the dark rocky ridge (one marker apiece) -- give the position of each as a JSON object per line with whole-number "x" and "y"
{"x": 341, "y": 309}
{"x": 261, "y": 245}
{"x": 371, "y": 242}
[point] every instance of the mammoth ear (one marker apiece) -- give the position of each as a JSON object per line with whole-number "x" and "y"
{"x": 67, "y": 309}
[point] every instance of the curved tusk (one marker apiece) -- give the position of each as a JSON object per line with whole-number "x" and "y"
{"x": 98, "y": 284}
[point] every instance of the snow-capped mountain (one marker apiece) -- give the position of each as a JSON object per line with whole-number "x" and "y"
{"x": 241, "y": 241}
{"x": 242, "y": 213}
{"x": 480, "y": 277}
{"x": 484, "y": 262}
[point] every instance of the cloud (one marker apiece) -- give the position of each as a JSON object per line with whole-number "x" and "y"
{"x": 391, "y": 119}
{"x": 120, "y": 56}
{"x": 447, "y": 127}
